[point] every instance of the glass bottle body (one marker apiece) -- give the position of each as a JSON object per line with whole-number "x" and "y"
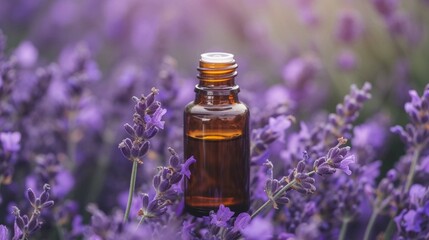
{"x": 216, "y": 133}
{"x": 218, "y": 137}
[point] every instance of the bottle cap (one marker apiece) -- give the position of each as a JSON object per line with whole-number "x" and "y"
{"x": 217, "y": 57}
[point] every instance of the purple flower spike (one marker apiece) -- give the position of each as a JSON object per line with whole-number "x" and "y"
{"x": 222, "y": 216}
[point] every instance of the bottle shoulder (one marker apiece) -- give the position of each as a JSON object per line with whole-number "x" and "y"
{"x": 227, "y": 109}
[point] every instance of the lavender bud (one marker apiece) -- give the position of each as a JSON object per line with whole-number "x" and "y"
{"x": 47, "y": 204}
{"x": 139, "y": 130}
{"x": 282, "y": 200}
{"x": 20, "y": 222}
{"x": 144, "y": 149}
{"x": 145, "y": 200}
{"x": 135, "y": 151}
{"x": 152, "y": 108}
{"x": 151, "y": 132}
{"x": 44, "y": 196}
{"x": 164, "y": 186}
{"x": 153, "y": 205}
{"x": 175, "y": 178}
{"x": 125, "y": 150}
{"x": 156, "y": 181}
{"x": 150, "y": 99}
{"x": 128, "y": 142}
{"x": 129, "y": 129}
{"x": 174, "y": 161}
{"x": 301, "y": 166}
{"x": 140, "y": 108}
{"x": 30, "y": 196}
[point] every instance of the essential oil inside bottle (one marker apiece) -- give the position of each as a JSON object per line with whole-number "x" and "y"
{"x": 216, "y": 133}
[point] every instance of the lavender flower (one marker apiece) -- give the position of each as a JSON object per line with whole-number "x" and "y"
{"x": 265, "y": 136}
{"x": 221, "y": 217}
{"x": 26, "y": 54}
{"x": 416, "y": 133}
{"x": 413, "y": 222}
{"x": 147, "y": 122}
{"x": 385, "y": 7}
{"x": 27, "y": 225}
{"x": 10, "y": 141}
{"x": 335, "y": 159}
{"x": 349, "y": 26}
{"x": 340, "y": 123}
{"x": 4, "y": 233}
{"x": 167, "y": 187}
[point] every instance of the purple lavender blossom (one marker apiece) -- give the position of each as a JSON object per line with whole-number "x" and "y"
{"x": 222, "y": 216}
{"x": 27, "y": 225}
{"x": 413, "y": 222}
{"x": 385, "y": 7}
{"x": 26, "y": 54}
{"x": 349, "y": 26}
{"x": 335, "y": 159}
{"x": 416, "y": 133}
{"x": 10, "y": 141}
{"x": 147, "y": 122}
{"x": 166, "y": 184}
{"x": 4, "y": 233}
{"x": 300, "y": 70}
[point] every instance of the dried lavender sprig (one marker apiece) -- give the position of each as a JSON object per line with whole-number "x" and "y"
{"x": 28, "y": 225}
{"x": 300, "y": 181}
{"x": 147, "y": 120}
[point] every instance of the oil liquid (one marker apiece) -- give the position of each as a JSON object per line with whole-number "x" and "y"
{"x": 220, "y": 175}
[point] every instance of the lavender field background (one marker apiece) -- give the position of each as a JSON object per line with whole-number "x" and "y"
{"x": 69, "y": 70}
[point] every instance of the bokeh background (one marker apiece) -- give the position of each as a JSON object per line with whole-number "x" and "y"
{"x": 298, "y": 57}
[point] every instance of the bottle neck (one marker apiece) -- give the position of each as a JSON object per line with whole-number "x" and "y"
{"x": 217, "y": 83}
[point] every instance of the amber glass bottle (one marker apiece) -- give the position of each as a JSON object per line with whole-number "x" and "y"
{"x": 216, "y": 133}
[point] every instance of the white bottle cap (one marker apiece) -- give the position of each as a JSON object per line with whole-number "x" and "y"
{"x": 217, "y": 57}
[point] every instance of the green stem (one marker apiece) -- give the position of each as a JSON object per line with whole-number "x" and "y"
{"x": 370, "y": 224}
{"x": 131, "y": 191}
{"x": 140, "y": 222}
{"x": 390, "y": 230}
{"x": 277, "y": 195}
{"x": 344, "y": 226}
{"x": 412, "y": 171}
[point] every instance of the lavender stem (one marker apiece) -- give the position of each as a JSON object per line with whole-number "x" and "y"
{"x": 131, "y": 190}
{"x": 277, "y": 195}
{"x": 344, "y": 226}
{"x": 412, "y": 171}
{"x": 371, "y": 222}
